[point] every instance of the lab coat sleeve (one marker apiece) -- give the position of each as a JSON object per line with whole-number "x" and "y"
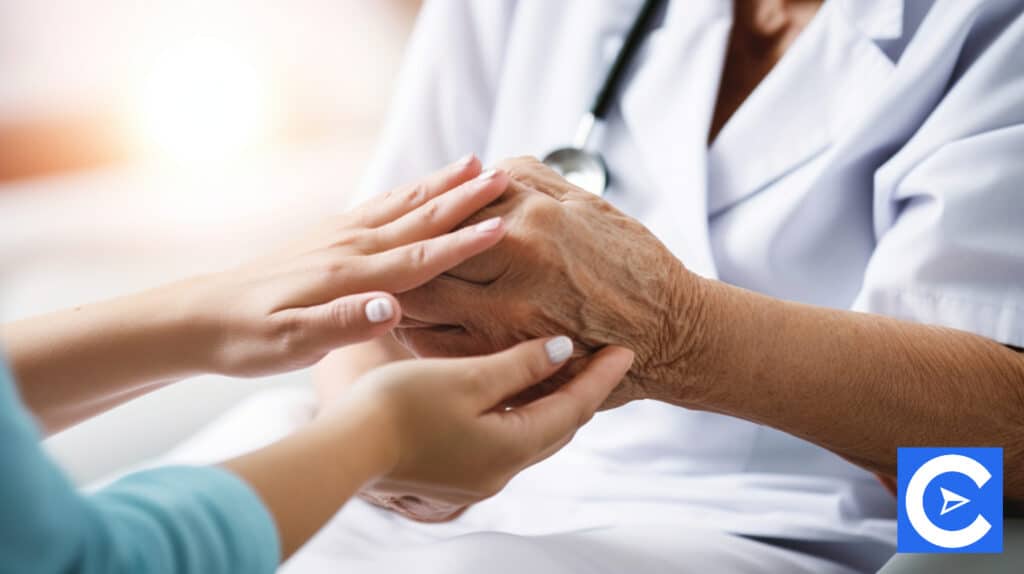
{"x": 445, "y": 94}
{"x": 180, "y": 520}
{"x": 949, "y": 207}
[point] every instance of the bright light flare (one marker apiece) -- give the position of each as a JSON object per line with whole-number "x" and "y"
{"x": 205, "y": 100}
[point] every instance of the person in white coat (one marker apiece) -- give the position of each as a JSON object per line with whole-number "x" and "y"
{"x": 836, "y": 192}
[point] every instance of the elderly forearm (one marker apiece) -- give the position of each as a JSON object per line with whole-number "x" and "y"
{"x": 858, "y": 384}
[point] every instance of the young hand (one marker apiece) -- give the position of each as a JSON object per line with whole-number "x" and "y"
{"x": 448, "y": 437}
{"x": 430, "y": 436}
{"x": 335, "y": 287}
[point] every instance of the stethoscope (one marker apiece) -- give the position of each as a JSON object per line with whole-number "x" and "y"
{"x": 587, "y": 169}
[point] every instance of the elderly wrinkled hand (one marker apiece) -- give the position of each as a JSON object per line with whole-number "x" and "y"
{"x": 570, "y": 263}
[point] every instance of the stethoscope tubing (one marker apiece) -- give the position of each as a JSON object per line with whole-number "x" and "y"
{"x": 635, "y": 36}
{"x": 576, "y": 158}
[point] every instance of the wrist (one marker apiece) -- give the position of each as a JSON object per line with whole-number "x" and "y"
{"x": 178, "y": 329}
{"x": 678, "y": 375}
{"x": 199, "y": 314}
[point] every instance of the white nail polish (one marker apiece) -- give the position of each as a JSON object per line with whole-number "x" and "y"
{"x": 489, "y": 174}
{"x": 488, "y": 225}
{"x": 379, "y": 310}
{"x": 464, "y": 161}
{"x": 558, "y": 349}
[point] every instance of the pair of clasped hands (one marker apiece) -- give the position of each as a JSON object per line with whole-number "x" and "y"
{"x": 440, "y": 433}
{"x": 457, "y": 429}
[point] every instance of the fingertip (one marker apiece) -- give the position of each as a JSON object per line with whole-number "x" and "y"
{"x": 502, "y": 182}
{"x": 481, "y": 236}
{"x": 468, "y": 165}
{"x": 382, "y": 309}
{"x": 558, "y": 349}
{"x": 485, "y": 187}
{"x": 492, "y": 226}
{"x": 526, "y": 364}
{"x": 493, "y": 174}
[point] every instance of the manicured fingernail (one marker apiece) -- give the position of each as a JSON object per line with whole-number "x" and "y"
{"x": 464, "y": 161}
{"x": 558, "y": 349}
{"x": 379, "y": 310}
{"x": 489, "y": 174}
{"x": 488, "y": 225}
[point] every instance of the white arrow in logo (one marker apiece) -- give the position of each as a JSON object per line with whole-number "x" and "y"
{"x": 951, "y": 501}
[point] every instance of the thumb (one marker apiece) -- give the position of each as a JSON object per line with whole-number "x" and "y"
{"x": 521, "y": 367}
{"x": 351, "y": 319}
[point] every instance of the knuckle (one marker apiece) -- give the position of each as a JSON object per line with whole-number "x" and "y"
{"x": 430, "y": 212}
{"x": 418, "y": 255}
{"x": 288, "y": 335}
{"x": 343, "y": 313}
{"x": 331, "y": 272}
{"x": 416, "y": 194}
{"x": 539, "y": 213}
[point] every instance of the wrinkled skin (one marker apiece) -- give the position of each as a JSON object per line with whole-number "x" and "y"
{"x": 570, "y": 264}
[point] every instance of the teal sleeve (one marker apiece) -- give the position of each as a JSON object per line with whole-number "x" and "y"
{"x": 178, "y": 519}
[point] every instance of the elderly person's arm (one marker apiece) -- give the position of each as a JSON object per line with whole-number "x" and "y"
{"x": 858, "y": 384}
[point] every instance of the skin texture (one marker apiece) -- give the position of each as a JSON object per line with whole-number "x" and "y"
{"x": 855, "y": 383}
{"x": 429, "y": 427}
{"x": 549, "y": 275}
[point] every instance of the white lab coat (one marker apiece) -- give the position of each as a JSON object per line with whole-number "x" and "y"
{"x": 879, "y": 167}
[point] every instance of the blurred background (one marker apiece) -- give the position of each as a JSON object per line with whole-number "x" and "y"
{"x": 141, "y": 142}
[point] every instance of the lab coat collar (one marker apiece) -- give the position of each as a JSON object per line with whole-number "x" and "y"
{"x": 793, "y": 116}
{"x": 876, "y": 19}
{"x": 828, "y": 78}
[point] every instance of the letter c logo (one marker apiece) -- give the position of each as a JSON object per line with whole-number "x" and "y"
{"x": 914, "y": 501}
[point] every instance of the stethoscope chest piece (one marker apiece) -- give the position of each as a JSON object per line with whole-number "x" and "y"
{"x": 580, "y": 167}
